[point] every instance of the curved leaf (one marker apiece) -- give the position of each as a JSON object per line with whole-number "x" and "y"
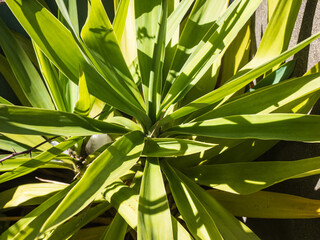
{"x": 26, "y": 74}
{"x": 237, "y": 82}
{"x": 275, "y": 98}
{"x": 29, "y": 226}
{"x": 65, "y": 231}
{"x": 171, "y": 147}
{"x": 246, "y": 178}
{"x": 154, "y": 217}
{"x": 115, "y": 161}
{"x": 209, "y": 49}
{"x": 28, "y": 194}
{"x": 116, "y": 230}
{"x": 31, "y": 121}
{"x": 268, "y": 205}
{"x": 99, "y": 36}
{"x": 39, "y": 160}
{"x": 83, "y": 105}
{"x": 126, "y": 200}
{"x": 65, "y": 53}
{"x": 204, "y": 216}
{"x": 290, "y": 127}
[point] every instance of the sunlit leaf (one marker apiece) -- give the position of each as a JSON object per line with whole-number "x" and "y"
{"x": 246, "y": 178}
{"x": 154, "y": 217}
{"x": 268, "y": 205}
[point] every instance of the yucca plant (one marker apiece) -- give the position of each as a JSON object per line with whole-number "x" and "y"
{"x": 158, "y": 116}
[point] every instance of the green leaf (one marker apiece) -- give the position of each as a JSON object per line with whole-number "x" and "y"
{"x": 115, "y": 161}
{"x": 127, "y": 45}
{"x": 26, "y": 44}
{"x": 68, "y": 229}
{"x": 90, "y": 233}
{"x": 176, "y": 17}
{"x": 155, "y": 79}
{"x": 202, "y": 17}
{"x": 209, "y": 49}
{"x": 7, "y": 73}
{"x": 172, "y": 147}
{"x": 279, "y": 29}
{"x": 120, "y": 18}
{"x": 268, "y": 205}
{"x": 31, "y": 121}
{"x": 99, "y": 36}
{"x": 4, "y": 101}
{"x": 290, "y": 127}
{"x": 246, "y": 178}
{"x": 25, "y": 72}
{"x": 222, "y": 145}
{"x": 29, "y": 226}
{"x": 28, "y": 194}
{"x": 39, "y": 160}
{"x": 126, "y": 199}
{"x": 69, "y": 91}
{"x": 154, "y": 217}
{"x": 151, "y": 27}
{"x": 281, "y": 74}
{"x": 63, "y": 51}
{"x": 83, "y": 106}
{"x": 204, "y": 216}
{"x": 51, "y": 78}
{"x": 275, "y": 98}
{"x": 9, "y": 145}
{"x": 237, "y": 82}
{"x": 69, "y": 11}
{"x": 63, "y": 162}
{"x": 125, "y": 122}
{"x": 246, "y": 151}
{"x": 237, "y": 54}
{"x": 27, "y": 140}
{"x": 116, "y": 230}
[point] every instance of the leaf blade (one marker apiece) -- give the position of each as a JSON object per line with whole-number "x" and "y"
{"x": 252, "y": 176}
{"x": 116, "y": 160}
{"x": 154, "y": 217}
{"x": 33, "y": 121}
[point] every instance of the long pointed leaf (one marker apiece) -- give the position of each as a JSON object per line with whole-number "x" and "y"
{"x": 116, "y": 230}
{"x": 28, "y": 227}
{"x": 290, "y": 127}
{"x": 83, "y": 105}
{"x": 169, "y": 147}
{"x": 149, "y": 15}
{"x": 31, "y": 121}
{"x": 154, "y": 217}
{"x": 39, "y": 160}
{"x": 204, "y": 216}
{"x": 28, "y": 194}
{"x": 42, "y": 27}
{"x": 51, "y": 78}
{"x": 268, "y": 205}
{"x": 246, "y": 178}
{"x": 107, "y": 168}
{"x": 99, "y": 36}
{"x": 126, "y": 200}
{"x": 25, "y": 72}
{"x": 210, "y": 48}
{"x": 269, "y": 99}
{"x": 238, "y": 81}
{"x": 69, "y": 229}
